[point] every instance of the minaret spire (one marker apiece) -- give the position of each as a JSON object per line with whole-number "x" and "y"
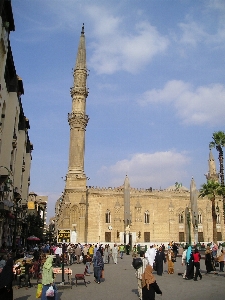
{"x": 212, "y": 175}
{"x": 77, "y": 118}
{"x": 81, "y": 54}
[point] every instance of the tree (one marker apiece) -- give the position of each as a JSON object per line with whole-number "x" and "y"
{"x": 211, "y": 189}
{"x": 218, "y": 143}
{"x": 35, "y": 226}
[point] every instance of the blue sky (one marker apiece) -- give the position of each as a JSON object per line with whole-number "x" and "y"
{"x": 156, "y": 88}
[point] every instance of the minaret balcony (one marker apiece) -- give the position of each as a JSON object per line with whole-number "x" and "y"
{"x": 14, "y": 143}
{"x": 79, "y": 90}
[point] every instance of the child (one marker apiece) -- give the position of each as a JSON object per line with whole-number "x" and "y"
{"x": 88, "y": 263}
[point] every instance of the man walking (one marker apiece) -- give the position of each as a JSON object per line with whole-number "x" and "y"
{"x": 150, "y": 255}
{"x": 58, "y": 254}
{"x": 197, "y": 257}
{"x": 122, "y": 249}
{"x": 114, "y": 253}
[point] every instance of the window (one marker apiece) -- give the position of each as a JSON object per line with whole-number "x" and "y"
{"x": 146, "y": 237}
{"x": 108, "y": 217}
{"x": 147, "y": 217}
{"x": 200, "y": 237}
{"x": 74, "y": 214}
{"x": 108, "y": 237}
{"x": 219, "y": 236}
{"x": 181, "y": 218}
{"x": 217, "y": 218}
{"x": 181, "y": 236}
{"x": 199, "y": 218}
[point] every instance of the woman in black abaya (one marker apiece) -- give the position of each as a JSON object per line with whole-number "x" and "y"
{"x": 6, "y": 279}
{"x": 159, "y": 259}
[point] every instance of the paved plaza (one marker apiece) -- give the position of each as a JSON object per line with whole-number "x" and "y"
{"x": 120, "y": 284}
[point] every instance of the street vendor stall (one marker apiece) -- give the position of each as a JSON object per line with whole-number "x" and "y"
{"x": 67, "y": 271}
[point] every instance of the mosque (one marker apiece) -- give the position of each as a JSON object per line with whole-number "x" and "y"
{"x": 125, "y": 214}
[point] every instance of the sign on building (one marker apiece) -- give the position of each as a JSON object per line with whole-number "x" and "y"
{"x": 30, "y": 205}
{"x": 63, "y": 236}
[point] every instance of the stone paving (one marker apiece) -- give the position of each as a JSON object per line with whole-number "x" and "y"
{"x": 120, "y": 284}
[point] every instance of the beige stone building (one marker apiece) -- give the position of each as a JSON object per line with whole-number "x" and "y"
{"x": 15, "y": 145}
{"x": 125, "y": 214}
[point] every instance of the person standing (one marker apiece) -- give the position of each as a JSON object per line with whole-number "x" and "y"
{"x": 184, "y": 260}
{"x": 170, "y": 261}
{"x": 196, "y": 258}
{"x": 128, "y": 249}
{"x": 149, "y": 285}
{"x": 190, "y": 264}
{"x": 114, "y": 253}
{"x": 6, "y": 279}
{"x": 91, "y": 251}
{"x": 139, "y": 273}
{"x": 78, "y": 253}
{"x": 175, "y": 250}
{"x": 88, "y": 264}
{"x": 47, "y": 277}
{"x": 95, "y": 249}
{"x": 134, "y": 254}
{"x": 221, "y": 260}
{"x": 106, "y": 255}
{"x": 208, "y": 260}
{"x": 98, "y": 266}
{"x": 58, "y": 254}
{"x": 25, "y": 273}
{"x": 121, "y": 249}
{"x": 150, "y": 255}
{"x": 159, "y": 259}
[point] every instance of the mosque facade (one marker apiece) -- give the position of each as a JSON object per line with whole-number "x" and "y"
{"x": 125, "y": 214}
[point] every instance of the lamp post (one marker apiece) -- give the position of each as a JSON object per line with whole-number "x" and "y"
{"x": 189, "y": 225}
{"x": 195, "y": 225}
{"x": 63, "y": 253}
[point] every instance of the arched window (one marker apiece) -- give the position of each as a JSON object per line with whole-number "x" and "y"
{"x": 147, "y": 217}
{"x": 199, "y": 218}
{"x": 181, "y": 218}
{"x": 66, "y": 212}
{"x": 74, "y": 214}
{"x": 108, "y": 217}
{"x": 217, "y": 218}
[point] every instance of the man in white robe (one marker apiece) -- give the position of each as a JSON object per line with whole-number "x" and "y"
{"x": 150, "y": 255}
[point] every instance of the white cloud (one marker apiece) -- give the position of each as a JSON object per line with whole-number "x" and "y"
{"x": 203, "y": 105}
{"x": 192, "y": 33}
{"x": 206, "y": 30}
{"x": 118, "y": 49}
{"x": 217, "y": 4}
{"x": 159, "y": 169}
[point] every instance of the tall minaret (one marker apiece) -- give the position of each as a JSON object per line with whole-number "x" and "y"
{"x": 212, "y": 175}
{"x": 78, "y": 120}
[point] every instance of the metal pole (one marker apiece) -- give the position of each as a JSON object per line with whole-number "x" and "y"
{"x": 189, "y": 227}
{"x": 63, "y": 251}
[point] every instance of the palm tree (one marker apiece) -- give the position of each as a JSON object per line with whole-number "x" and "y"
{"x": 218, "y": 143}
{"x": 211, "y": 189}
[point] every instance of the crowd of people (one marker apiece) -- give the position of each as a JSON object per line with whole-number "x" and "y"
{"x": 46, "y": 257}
{"x": 157, "y": 256}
